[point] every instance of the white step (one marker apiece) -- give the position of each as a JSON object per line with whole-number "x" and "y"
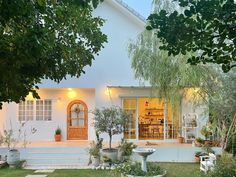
{"x": 43, "y": 166}
{"x": 56, "y": 157}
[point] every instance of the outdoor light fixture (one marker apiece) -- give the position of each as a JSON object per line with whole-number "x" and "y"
{"x": 71, "y": 94}
{"x": 30, "y": 96}
{"x": 107, "y": 91}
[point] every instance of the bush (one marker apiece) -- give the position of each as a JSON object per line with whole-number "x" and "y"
{"x": 20, "y": 164}
{"x": 225, "y": 167}
{"x": 94, "y": 150}
{"x": 126, "y": 147}
{"x": 129, "y": 168}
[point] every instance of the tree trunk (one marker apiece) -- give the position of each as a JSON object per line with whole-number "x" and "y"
{"x": 165, "y": 115}
{"x": 110, "y": 139}
{"x": 228, "y": 135}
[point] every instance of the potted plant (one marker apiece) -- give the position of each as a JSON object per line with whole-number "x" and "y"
{"x": 112, "y": 121}
{"x": 94, "y": 152}
{"x": 57, "y": 135}
{"x": 180, "y": 138}
{"x": 126, "y": 149}
{"x": 206, "y": 131}
{"x": 13, "y": 154}
{"x": 199, "y": 142}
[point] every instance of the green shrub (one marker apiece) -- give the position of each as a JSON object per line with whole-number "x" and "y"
{"x": 20, "y": 164}
{"x": 94, "y": 150}
{"x": 127, "y": 147}
{"x": 134, "y": 168}
{"x": 225, "y": 167}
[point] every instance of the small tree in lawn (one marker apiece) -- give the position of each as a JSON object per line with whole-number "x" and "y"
{"x": 110, "y": 120}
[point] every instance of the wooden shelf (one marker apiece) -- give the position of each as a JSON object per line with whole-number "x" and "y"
{"x": 154, "y": 109}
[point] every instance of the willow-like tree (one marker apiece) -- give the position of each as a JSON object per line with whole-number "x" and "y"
{"x": 42, "y": 39}
{"x": 168, "y": 75}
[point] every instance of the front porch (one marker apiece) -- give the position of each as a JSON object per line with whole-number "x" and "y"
{"x": 74, "y": 154}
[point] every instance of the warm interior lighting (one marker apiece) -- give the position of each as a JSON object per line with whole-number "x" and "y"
{"x": 107, "y": 91}
{"x": 30, "y": 96}
{"x": 71, "y": 94}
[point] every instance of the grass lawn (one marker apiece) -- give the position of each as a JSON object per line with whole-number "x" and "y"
{"x": 173, "y": 170}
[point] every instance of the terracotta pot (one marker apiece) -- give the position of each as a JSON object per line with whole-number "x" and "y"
{"x": 208, "y": 142}
{"x": 181, "y": 139}
{"x": 57, "y": 138}
{"x": 197, "y": 158}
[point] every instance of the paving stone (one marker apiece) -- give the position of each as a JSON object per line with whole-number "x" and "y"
{"x": 44, "y": 171}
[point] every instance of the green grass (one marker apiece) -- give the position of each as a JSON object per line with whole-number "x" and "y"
{"x": 173, "y": 170}
{"x": 7, "y": 172}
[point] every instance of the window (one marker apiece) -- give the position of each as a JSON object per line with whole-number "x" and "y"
{"x": 43, "y": 110}
{"x": 26, "y": 110}
{"x": 129, "y": 105}
{"x": 40, "y": 109}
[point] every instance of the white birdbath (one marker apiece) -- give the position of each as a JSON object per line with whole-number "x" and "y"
{"x": 144, "y": 152}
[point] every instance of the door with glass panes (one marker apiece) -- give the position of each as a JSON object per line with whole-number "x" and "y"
{"x": 77, "y": 121}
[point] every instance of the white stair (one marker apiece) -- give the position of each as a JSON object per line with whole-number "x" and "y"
{"x": 46, "y": 158}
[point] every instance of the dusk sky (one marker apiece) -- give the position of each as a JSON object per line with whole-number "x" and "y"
{"x": 141, "y": 6}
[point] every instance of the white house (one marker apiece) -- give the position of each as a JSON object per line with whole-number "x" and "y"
{"x": 109, "y": 81}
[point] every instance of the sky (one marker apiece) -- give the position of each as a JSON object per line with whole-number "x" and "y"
{"x": 143, "y": 7}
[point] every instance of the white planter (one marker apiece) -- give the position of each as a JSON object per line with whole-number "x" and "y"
{"x": 13, "y": 156}
{"x": 95, "y": 161}
{"x": 111, "y": 154}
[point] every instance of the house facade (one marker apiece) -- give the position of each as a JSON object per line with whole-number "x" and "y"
{"x": 109, "y": 81}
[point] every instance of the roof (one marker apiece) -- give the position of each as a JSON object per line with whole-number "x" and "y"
{"x": 134, "y": 12}
{"x": 127, "y": 10}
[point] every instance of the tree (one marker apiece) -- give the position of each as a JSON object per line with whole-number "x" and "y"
{"x": 222, "y": 102}
{"x": 169, "y": 75}
{"x": 204, "y": 28}
{"x": 111, "y": 120}
{"x": 42, "y": 39}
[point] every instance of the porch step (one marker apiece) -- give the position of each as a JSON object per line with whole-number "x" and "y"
{"x": 43, "y": 166}
{"x": 56, "y": 157}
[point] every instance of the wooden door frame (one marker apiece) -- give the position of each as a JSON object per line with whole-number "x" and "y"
{"x": 85, "y": 117}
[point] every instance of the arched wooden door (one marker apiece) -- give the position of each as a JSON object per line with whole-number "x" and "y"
{"x": 77, "y": 120}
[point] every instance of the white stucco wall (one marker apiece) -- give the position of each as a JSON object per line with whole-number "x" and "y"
{"x": 112, "y": 66}
{"x": 46, "y": 129}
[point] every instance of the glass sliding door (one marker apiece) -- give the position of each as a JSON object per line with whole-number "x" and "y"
{"x": 129, "y": 105}
{"x": 147, "y": 119}
{"x": 151, "y": 119}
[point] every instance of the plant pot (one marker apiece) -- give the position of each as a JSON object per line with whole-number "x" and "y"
{"x": 208, "y": 142}
{"x": 111, "y": 154}
{"x": 57, "y": 138}
{"x": 181, "y": 139}
{"x": 95, "y": 161}
{"x": 13, "y": 156}
{"x": 197, "y": 158}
